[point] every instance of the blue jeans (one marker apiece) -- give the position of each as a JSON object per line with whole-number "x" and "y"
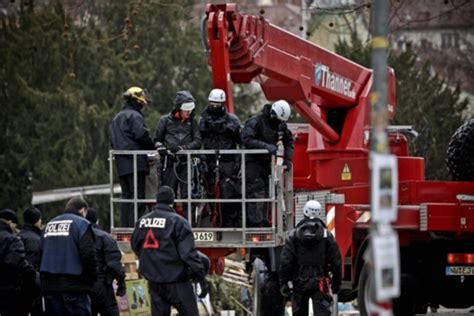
{"x": 68, "y": 304}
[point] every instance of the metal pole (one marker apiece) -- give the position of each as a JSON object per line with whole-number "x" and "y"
{"x": 135, "y": 192}
{"x": 111, "y": 179}
{"x": 304, "y": 19}
{"x": 379, "y": 137}
{"x": 379, "y": 65}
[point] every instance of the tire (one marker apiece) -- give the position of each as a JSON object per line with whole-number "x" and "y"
{"x": 460, "y": 154}
{"x": 267, "y": 300}
{"x": 402, "y": 306}
{"x": 363, "y": 290}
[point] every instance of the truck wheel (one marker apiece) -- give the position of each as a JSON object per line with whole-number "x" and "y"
{"x": 364, "y": 291}
{"x": 267, "y": 300}
{"x": 402, "y": 306}
{"x": 460, "y": 153}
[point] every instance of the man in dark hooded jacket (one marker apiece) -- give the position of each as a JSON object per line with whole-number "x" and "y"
{"x": 31, "y": 235}
{"x": 164, "y": 244}
{"x": 129, "y": 132}
{"x": 221, "y": 130}
{"x": 310, "y": 255}
{"x": 109, "y": 267}
{"x": 16, "y": 273}
{"x": 177, "y": 131}
{"x": 264, "y": 131}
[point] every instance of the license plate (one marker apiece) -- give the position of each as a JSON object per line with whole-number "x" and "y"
{"x": 459, "y": 270}
{"x": 204, "y": 236}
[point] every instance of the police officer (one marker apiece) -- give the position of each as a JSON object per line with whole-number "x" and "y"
{"x": 177, "y": 131}
{"x": 16, "y": 273}
{"x": 310, "y": 253}
{"x": 68, "y": 262}
{"x": 30, "y": 236}
{"x": 164, "y": 244}
{"x": 109, "y": 268}
{"x": 221, "y": 130}
{"x": 129, "y": 132}
{"x": 263, "y": 131}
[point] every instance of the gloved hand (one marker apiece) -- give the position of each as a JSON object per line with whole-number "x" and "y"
{"x": 174, "y": 148}
{"x": 287, "y": 164}
{"x": 160, "y": 148}
{"x": 121, "y": 288}
{"x": 204, "y": 287}
{"x": 272, "y": 149}
{"x": 285, "y": 290}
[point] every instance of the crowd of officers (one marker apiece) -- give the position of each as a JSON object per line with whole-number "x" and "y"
{"x": 216, "y": 129}
{"x": 310, "y": 253}
{"x": 69, "y": 267}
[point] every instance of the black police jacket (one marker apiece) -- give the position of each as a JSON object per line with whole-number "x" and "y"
{"x": 109, "y": 264}
{"x": 260, "y": 131}
{"x": 301, "y": 260}
{"x": 129, "y": 132}
{"x": 164, "y": 244}
{"x": 30, "y": 236}
{"x": 16, "y": 273}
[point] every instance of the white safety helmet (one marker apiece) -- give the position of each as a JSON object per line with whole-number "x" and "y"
{"x": 281, "y": 110}
{"x": 217, "y": 95}
{"x": 312, "y": 209}
{"x": 187, "y": 106}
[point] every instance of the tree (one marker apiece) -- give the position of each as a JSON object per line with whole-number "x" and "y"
{"x": 423, "y": 100}
{"x": 63, "y": 72}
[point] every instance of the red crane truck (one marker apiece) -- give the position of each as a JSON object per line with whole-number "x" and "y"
{"x": 435, "y": 221}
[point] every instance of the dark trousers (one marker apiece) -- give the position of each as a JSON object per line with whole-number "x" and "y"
{"x": 257, "y": 181}
{"x": 32, "y": 302}
{"x": 68, "y": 304}
{"x": 127, "y": 218}
{"x": 10, "y": 302}
{"x": 180, "y": 295}
{"x": 103, "y": 300}
{"x": 299, "y": 303}
{"x": 175, "y": 175}
{"x": 230, "y": 213}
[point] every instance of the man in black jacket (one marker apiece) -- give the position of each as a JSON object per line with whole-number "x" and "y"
{"x": 109, "y": 268}
{"x": 16, "y": 273}
{"x": 164, "y": 244}
{"x": 31, "y": 235}
{"x": 177, "y": 131}
{"x": 310, "y": 255}
{"x": 221, "y": 130}
{"x": 264, "y": 131}
{"x": 129, "y": 132}
{"x": 68, "y": 262}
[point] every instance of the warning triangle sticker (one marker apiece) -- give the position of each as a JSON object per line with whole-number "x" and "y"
{"x": 150, "y": 241}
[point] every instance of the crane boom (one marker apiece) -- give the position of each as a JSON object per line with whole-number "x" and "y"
{"x": 314, "y": 80}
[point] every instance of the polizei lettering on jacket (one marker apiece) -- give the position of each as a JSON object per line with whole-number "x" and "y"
{"x": 325, "y": 78}
{"x": 153, "y": 222}
{"x": 58, "y": 228}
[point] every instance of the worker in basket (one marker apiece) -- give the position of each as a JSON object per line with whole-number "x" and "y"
{"x": 128, "y": 131}
{"x": 310, "y": 264}
{"x": 175, "y": 132}
{"x": 221, "y": 130}
{"x": 265, "y": 130}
